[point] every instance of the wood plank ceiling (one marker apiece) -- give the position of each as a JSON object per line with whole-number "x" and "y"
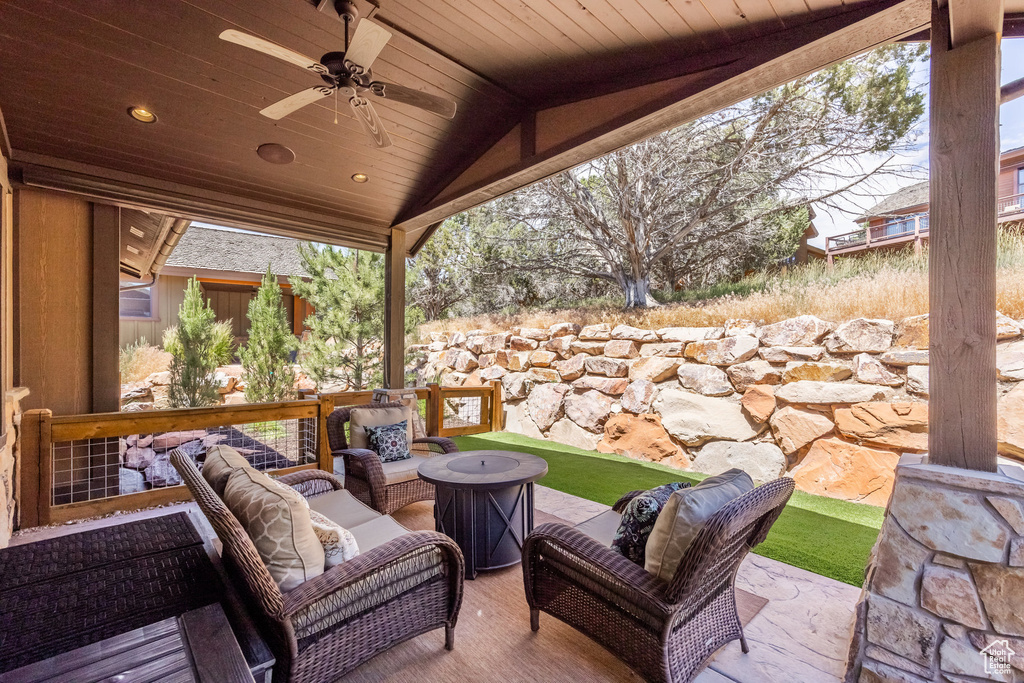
{"x": 70, "y": 70}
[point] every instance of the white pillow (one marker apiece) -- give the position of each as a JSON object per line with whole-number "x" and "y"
{"x": 338, "y": 542}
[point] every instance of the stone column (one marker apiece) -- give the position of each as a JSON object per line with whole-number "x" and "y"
{"x": 943, "y": 599}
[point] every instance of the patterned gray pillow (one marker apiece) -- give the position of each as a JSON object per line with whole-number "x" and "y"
{"x": 638, "y": 518}
{"x": 390, "y": 442}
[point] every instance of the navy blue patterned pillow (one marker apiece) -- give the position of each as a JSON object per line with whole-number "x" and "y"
{"x": 390, "y": 442}
{"x": 638, "y": 519}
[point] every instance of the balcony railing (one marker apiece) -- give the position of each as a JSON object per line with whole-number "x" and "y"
{"x": 1008, "y": 206}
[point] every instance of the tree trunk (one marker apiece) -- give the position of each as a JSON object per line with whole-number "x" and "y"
{"x": 637, "y": 291}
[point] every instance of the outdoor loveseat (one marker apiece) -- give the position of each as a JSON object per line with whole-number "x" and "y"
{"x": 400, "y": 585}
{"x": 665, "y": 630}
{"x": 385, "y": 487}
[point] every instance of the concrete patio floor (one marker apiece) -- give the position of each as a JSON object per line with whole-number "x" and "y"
{"x": 801, "y": 636}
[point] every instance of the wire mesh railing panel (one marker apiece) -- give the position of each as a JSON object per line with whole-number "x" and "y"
{"x": 91, "y": 469}
{"x": 462, "y": 411}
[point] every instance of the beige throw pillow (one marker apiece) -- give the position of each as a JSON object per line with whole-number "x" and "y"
{"x": 277, "y": 520}
{"x": 375, "y": 417}
{"x": 683, "y": 516}
{"x": 338, "y": 542}
{"x": 220, "y": 462}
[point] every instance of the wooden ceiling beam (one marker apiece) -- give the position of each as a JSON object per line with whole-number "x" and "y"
{"x": 757, "y": 65}
{"x": 970, "y": 20}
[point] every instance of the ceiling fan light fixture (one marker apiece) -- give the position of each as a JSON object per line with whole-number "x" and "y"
{"x": 142, "y": 114}
{"x": 360, "y": 177}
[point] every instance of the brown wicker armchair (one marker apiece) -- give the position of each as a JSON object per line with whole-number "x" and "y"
{"x": 330, "y": 624}
{"x": 664, "y": 631}
{"x": 365, "y": 475}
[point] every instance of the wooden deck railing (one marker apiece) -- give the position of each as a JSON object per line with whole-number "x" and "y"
{"x": 77, "y": 466}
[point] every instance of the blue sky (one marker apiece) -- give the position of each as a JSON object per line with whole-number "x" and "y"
{"x": 1011, "y": 120}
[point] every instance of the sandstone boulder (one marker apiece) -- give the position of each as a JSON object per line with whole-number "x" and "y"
{"x": 621, "y": 348}
{"x": 438, "y": 337}
{"x": 744, "y": 375}
{"x": 437, "y": 346}
{"x": 564, "y": 330}
{"x": 829, "y": 393}
{"x": 457, "y": 340}
{"x": 159, "y": 379}
{"x": 1011, "y": 423}
{"x": 589, "y": 410}
{"x": 522, "y": 344}
{"x": 516, "y": 385}
{"x": 794, "y": 428}
{"x": 862, "y": 335}
{"x": 613, "y": 386}
{"x": 740, "y": 328}
{"x": 704, "y": 379}
{"x": 599, "y": 332}
{"x": 640, "y": 437}
{"x": 759, "y": 402}
{"x": 917, "y": 380}
{"x": 798, "y": 371}
{"x": 534, "y": 333}
{"x": 763, "y": 461}
{"x": 567, "y": 432}
{"x": 904, "y": 357}
{"x": 542, "y": 359}
{"x": 474, "y": 343}
{"x": 903, "y": 426}
{"x": 570, "y": 369}
{"x": 868, "y": 370}
{"x": 473, "y": 379}
{"x": 593, "y": 348}
{"x": 169, "y": 440}
{"x": 728, "y": 351}
{"x": 453, "y": 379}
{"x": 785, "y": 354}
{"x": 690, "y": 334}
{"x": 492, "y": 373}
{"x": 451, "y": 357}
{"x": 913, "y": 332}
{"x": 667, "y": 349}
{"x": 546, "y": 404}
{"x": 519, "y": 361}
{"x": 561, "y": 345}
{"x": 518, "y": 421}
{"x": 486, "y": 360}
{"x": 695, "y": 419}
{"x": 609, "y": 367}
{"x": 804, "y": 330}
{"x": 161, "y": 473}
{"x": 136, "y": 391}
{"x": 634, "y": 334}
{"x": 839, "y": 469}
{"x": 503, "y": 357}
{"x": 654, "y": 369}
{"x": 638, "y": 396}
{"x": 1006, "y": 327}
{"x": 1010, "y": 361}
{"x": 544, "y": 375}
{"x": 493, "y": 343}
{"x": 466, "y": 362}
{"x": 138, "y": 458}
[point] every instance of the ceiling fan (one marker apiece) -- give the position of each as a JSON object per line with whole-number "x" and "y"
{"x": 347, "y": 74}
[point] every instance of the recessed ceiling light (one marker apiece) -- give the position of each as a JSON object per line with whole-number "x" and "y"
{"x": 275, "y": 153}
{"x": 135, "y": 231}
{"x": 141, "y": 114}
{"x": 360, "y": 177}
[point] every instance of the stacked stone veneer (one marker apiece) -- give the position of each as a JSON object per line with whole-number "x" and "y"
{"x": 833, "y": 405}
{"x": 946, "y": 579}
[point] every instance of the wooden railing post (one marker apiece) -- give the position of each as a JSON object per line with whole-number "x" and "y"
{"x": 434, "y": 412}
{"x": 497, "y": 414}
{"x": 45, "y": 460}
{"x": 326, "y": 462}
{"x": 28, "y": 461}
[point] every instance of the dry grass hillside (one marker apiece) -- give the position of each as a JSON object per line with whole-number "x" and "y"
{"x": 891, "y": 285}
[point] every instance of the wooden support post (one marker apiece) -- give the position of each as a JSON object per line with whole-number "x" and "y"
{"x": 394, "y": 312}
{"x": 28, "y": 475}
{"x": 106, "y": 249}
{"x": 434, "y": 410}
{"x": 326, "y": 460}
{"x": 497, "y": 413}
{"x": 44, "y": 483}
{"x": 964, "y": 162}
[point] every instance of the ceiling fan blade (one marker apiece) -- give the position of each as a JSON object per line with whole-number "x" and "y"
{"x": 372, "y": 124}
{"x": 280, "y": 109}
{"x": 368, "y": 41}
{"x": 416, "y": 98}
{"x": 272, "y": 49}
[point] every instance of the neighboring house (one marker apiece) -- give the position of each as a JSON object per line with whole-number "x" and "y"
{"x": 228, "y": 263}
{"x": 901, "y": 219}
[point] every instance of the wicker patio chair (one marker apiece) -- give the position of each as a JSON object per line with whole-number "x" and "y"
{"x": 365, "y": 475}
{"x": 332, "y": 623}
{"x": 663, "y": 630}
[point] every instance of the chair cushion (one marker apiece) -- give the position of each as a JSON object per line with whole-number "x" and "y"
{"x": 389, "y": 442}
{"x": 342, "y": 508}
{"x": 220, "y": 462}
{"x": 685, "y": 513}
{"x": 375, "y": 417}
{"x": 277, "y": 521}
{"x": 638, "y": 519}
{"x": 402, "y": 470}
{"x": 377, "y": 532}
{"x": 338, "y": 542}
{"x": 601, "y": 528}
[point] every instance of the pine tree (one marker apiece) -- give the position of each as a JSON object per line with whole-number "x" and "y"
{"x": 346, "y": 330}
{"x": 193, "y": 361}
{"x": 265, "y": 358}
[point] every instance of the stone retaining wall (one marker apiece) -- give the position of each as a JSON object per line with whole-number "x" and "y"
{"x": 832, "y": 405}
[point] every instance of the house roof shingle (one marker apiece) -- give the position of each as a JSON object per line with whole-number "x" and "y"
{"x": 905, "y": 198}
{"x": 242, "y": 252}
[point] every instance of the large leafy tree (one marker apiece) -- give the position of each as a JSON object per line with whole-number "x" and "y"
{"x": 265, "y": 357}
{"x": 721, "y": 193}
{"x": 346, "y": 330}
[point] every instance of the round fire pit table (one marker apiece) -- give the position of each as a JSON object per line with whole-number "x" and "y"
{"x": 484, "y": 502}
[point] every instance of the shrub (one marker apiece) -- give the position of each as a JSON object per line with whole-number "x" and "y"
{"x": 194, "y": 353}
{"x": 139, "y": 360}
{"x": 268, "y": 373}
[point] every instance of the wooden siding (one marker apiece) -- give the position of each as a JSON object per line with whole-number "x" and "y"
{"x": 1008, "y": 180}
{"x": 170, "y": 293}
{"x": 231, "y": 303}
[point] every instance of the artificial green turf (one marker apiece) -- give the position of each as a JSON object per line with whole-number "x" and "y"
{"x": 823, "y": 535}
